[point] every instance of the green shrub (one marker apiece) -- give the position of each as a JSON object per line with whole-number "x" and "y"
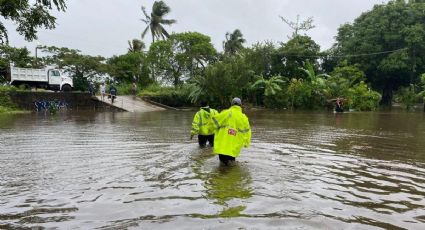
{"x": 362, "y": 98}
{"x": 407, "y": 96}
{"x": 7, "y": 88}
{"x": 301, "y": 94}
{"x": 278, "y": 101}
{"x": 6, "y": 104}
{"x": 171, "y": 96}
{"x": 126, "y": 89}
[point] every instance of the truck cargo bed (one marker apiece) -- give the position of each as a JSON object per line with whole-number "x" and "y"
{"x": 26, "y": 74}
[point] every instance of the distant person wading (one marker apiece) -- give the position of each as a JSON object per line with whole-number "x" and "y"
{"x": 339, "y": 105}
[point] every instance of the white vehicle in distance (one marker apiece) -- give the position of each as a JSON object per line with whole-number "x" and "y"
{"x": 48, "y": 78}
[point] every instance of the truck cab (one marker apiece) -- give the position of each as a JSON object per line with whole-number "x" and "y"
{"x": 59, "y": 81}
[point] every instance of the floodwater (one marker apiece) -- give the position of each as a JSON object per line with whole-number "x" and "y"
{"x": 304, "y": 170}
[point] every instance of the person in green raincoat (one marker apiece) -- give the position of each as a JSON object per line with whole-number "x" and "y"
{"x": 232, "y": 132}
{"x": 202, "y": 125}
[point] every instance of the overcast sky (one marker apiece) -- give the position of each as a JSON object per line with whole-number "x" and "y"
{"x": 103, "y": 27}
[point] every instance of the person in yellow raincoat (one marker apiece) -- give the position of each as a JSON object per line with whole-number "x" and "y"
{"x": 202, "y": 125}
{"x": 232, "y": 132}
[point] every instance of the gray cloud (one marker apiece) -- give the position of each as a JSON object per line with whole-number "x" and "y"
{"x": 103, "y": 27}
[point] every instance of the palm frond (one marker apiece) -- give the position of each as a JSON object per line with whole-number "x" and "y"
{"x": 145, "y": 31}
{"x": 164, "y": 32}
{"x": 130, "y": 45}
{"x": 160, "y": 9}
{"x": 277, "y": 87}
{"x": 324, "y": 75}
{"x": 145, "y": 13}
{"x": 167, "y": 21}
{"x": 306, "y": 72}
{"x": 258, "y": 84}
{"x": 277, "y": 79}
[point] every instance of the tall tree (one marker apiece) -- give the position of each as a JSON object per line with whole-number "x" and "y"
{"x": 20, "y": 57}
{"x": 234, "y": 42}
{"x": 182, "y": 55}
{"x": 224, "y": 79}
{"x": 293, "y": 54}
{"x": 156, "y": 20}
{"x": 28, "y": 16}
{"x": 82, "y": 68}
{"x": 261, "y": 57}
{"x": 130, "y": 67}
{"x": 298, "y": 26}
{"x": 393, "y": 37}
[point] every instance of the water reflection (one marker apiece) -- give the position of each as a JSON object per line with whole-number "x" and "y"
{"x": 7, "y": 121}
{"x": 225, "y": 185}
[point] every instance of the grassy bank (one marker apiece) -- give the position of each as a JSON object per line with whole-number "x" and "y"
{"x": 6, "y": 104}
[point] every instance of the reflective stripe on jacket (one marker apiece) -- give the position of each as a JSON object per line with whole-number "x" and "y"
{"x": 202, "y": 122}
{"x": 232, "y": 132}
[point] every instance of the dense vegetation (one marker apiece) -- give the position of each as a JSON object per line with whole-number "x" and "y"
{"x": 6, "y": 104}
{"x": 381, "y": 54}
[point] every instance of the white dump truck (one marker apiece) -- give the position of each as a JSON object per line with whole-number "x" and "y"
{"x": 48, "y": 78}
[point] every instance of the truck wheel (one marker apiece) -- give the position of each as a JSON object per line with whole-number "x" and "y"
{"x": 66, "y": 88}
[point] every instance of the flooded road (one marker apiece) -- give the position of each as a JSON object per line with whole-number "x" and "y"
{"x": 309, "y": 170}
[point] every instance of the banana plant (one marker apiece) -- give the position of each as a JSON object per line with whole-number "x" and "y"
{"x": 317, "y": 80}
{"x": 271, "y": 86}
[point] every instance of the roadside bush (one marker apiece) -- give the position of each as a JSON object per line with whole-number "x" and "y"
{"x": 362, "y": 98}
{"x": 278, "y": 101}
{"x": 7, "y": 88}
{"x": 407, "y": 96}
{"x": 6, "y": 103}
{"x": 171, "y": 96}
{"x": 300, "y": 94}
{"x": 126, "y": 89}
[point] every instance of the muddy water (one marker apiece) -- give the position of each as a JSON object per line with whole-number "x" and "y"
{"x": 131, "y": 171}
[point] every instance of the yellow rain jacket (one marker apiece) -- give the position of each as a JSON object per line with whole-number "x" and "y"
{"x": 202, "y": 122}
{"x": 232, "y": 132}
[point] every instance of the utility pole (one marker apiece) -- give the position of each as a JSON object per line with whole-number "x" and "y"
{"x": 36, "y": 59}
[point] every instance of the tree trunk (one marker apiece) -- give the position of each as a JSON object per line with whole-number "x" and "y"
{"x": 176, "y": 81}
{"x": 387, "y": 95}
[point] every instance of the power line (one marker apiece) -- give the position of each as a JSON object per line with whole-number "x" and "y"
{"x": 347, "y": 55}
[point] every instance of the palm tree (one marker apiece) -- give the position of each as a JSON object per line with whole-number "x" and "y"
{"x": 136, "y": 45}
{"x": 156, "y": 20}
{"x": 233, "y": 42}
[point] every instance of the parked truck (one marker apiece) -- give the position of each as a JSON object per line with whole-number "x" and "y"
{"x": 48, "y": 78}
